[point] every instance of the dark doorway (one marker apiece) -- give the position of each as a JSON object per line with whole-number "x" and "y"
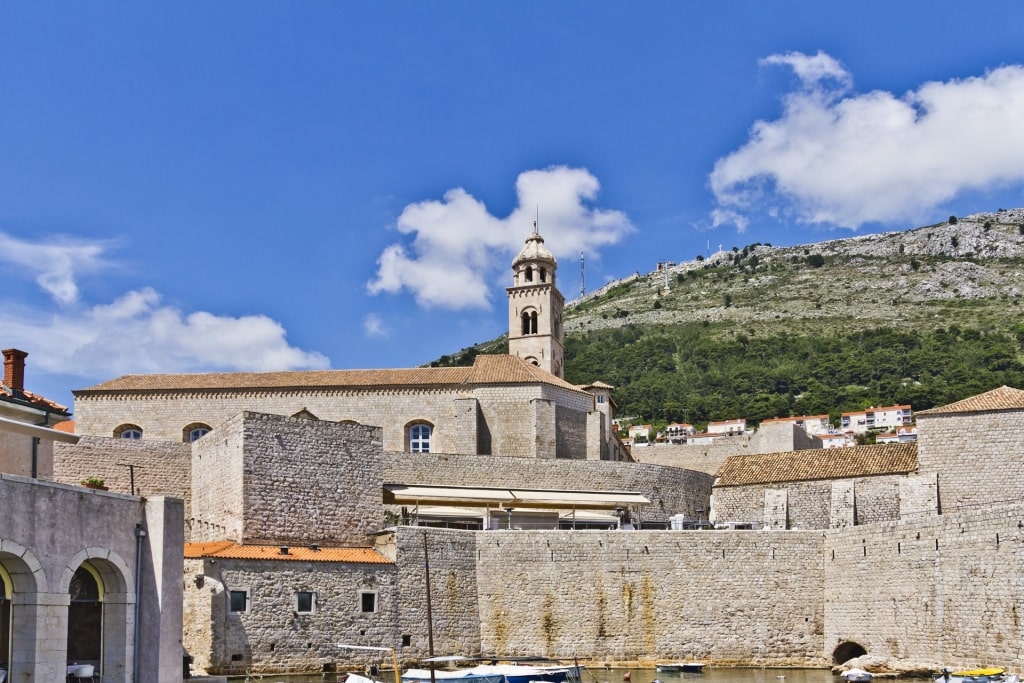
{"x": 844, "y": 652}
{"x": 85, "y": 618}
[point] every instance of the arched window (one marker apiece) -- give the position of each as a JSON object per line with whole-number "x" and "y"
{"x": 6, "y": 596}
{"x": 194, "y": 432}
{"x": 543, "y": 274}
{"x": 85, "y": 616}
{"x": 526, "y": 323}
{"x": 128, "y": 431}
{"x": 529, "y": 273}
{"x": 533, "y": 323}
{"x": 419, "y": 436}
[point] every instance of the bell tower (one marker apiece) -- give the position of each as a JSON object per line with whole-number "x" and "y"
{"x": 535, "y": 307}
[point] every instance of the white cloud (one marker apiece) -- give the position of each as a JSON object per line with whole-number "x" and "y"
{"x": 56, "y": 263}
{"x": 373, "y": 326}
{"x": 458, "y": 245}
{"x": 139, "y": 334}
{"x": 847, "y": 159}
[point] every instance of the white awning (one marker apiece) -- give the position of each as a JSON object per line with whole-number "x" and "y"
{"x": 511, "y": 498}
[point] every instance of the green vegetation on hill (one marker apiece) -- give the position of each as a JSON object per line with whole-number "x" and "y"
{"x": 689, "y": 373}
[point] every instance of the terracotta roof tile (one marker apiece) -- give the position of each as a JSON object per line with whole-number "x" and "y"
{"x": 234, "y": 551}
{"x": 487, "y": 369}
{"x": 826, "y": 463}
{"x": 34, "y": 399}
{"x": 1003, "y": 398}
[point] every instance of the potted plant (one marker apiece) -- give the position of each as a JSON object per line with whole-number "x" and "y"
{"x": 94, "y": 483}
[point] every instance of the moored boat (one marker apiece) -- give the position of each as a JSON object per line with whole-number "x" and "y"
{"x": 681, "y": 667}
{"x": 985, "y": 675}
{"x": 460, "y": 675}
{"x": 856, "y": 675}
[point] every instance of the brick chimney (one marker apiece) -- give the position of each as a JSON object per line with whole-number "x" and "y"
{"x": 14, "y": 370}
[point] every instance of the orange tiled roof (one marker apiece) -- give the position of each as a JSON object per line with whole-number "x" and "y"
{"x": 234, "y": 551}
{"x": 826, "y": 463}
{"x": 34, "y": 399}
{"x": 67, "y": 426}
{"x": 486, "y": 369}
{"x": 1003, "y": 398}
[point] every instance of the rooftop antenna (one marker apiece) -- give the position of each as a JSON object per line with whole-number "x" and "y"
{"x": 583, "y": 287}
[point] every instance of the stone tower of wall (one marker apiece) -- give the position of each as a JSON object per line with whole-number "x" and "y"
{"x": 535, "y": 308}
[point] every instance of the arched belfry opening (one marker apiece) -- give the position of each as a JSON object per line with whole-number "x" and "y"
{"x": 846, "y": 651}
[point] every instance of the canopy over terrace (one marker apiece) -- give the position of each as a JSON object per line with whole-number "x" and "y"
{"x": 466, "y": 496}
{"x": 459, "y": 502}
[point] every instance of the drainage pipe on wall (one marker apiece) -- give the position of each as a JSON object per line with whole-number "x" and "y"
{"x": 140, "y": 534}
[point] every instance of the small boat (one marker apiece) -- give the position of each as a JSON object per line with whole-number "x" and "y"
{"x": 681, "y": 667}
{"x": 525, "y": 673}
{"x": 987, "y": 675}
{"x": 461, "y": 675}
{"x": 856, "y": 675}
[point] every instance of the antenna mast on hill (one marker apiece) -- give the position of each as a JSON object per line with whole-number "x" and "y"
{"x": 583, "y": 287}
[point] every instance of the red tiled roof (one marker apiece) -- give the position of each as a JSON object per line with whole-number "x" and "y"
{"x": 234, "y": 551}
{"x": 486, "y": 369}
{"x": 67, "y": 426}
{"x": 34, "y": 399}
{"x": 1003, "y": 398}
{"x": 814, "y": 464}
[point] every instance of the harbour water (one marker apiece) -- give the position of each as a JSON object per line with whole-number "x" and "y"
{"x": 610, "y": 675}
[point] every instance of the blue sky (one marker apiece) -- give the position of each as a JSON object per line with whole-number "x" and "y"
{"x": 188, "y": 187}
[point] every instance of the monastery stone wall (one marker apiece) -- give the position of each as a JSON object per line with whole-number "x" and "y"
{"x": 809, "y": 504}
{"x": 970, "y": 454}
{"x": 671, "y": 490}
{"x": 938, "y": 590}
{"x": 272, "y": 636}
{"x": 771, "y": 438}
{"x": 159, "y": 468}
{"x": 507, "y": 413}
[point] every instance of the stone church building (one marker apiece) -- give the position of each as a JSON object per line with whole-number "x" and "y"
{"x": 515, "y": 405}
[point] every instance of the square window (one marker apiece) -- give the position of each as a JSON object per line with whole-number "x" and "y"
{"x": 239, "y": 601}
{"x": 304, "y": 602}
{"x": 368, "y": 602}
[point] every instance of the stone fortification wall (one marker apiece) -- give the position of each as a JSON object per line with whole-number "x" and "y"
{"x": 671, "y": 490}
{"x": 271, "y": 636}
{"x": 940, "y": 590}
{"x": 571, "y": 434}
{"x": 809, "y": 503}
{"x": 969, "y": 454}
{"x": 771, "y": 438}
{"x": 159, "y": 468}
{"x": 724, "y": 597}
{"x": 290, "y": 469}
{"x": 218, "y": 497}
{"x": 452, "y": 556}
{"x": 702, "y": 458}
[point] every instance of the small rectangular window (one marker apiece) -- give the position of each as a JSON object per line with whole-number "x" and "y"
{"x": 368, "y": 602}
{"x": 239, "y": 601}
{"x": 304, "y": 602}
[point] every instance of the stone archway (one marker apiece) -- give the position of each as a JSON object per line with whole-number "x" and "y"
{"x": 846, "y": 651}
{"x": 98, "y": 583}
{"x": 22, "y": 580}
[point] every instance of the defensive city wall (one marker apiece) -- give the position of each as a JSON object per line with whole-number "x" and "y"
{"x": 924, "y": 592}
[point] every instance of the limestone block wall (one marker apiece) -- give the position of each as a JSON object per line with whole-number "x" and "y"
{"x": 272, "y": 636}
{"x": 703, "y": 458}
{"x": 671, "y": 490}
{"x": 273, "y": 479}
{"x": 159, "y": 468}
{"x": 809, "y": 503}
{"x": 571, "y": 434}
{"x": 454, "y": 573}
{"x": 218, "y": 496}
{"x": 724, "y": 597}
{"x": 969, "y": 454}
{"x": 506, "y": 413}
{"x": 939, "y": 590}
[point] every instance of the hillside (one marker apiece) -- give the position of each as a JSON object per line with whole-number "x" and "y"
{"x": 922, "y": 316}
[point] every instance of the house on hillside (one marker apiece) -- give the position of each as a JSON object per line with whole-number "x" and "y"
{"x": 889, "y": 417}
{"x": 727, "y": 427}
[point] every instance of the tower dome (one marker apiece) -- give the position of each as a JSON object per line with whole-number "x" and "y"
{"x": 534, "y": 250}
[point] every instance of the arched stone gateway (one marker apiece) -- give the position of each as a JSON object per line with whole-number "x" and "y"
{"x": 21, "y": 580}
{"x": 846, "y": 651}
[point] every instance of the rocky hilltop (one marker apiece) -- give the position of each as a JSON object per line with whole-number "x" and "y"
{"x": 968, "y": 271}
